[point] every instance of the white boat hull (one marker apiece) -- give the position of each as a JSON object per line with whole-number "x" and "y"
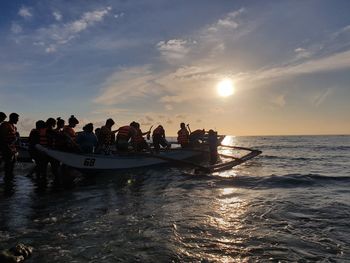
{"x": 116, "y": 161}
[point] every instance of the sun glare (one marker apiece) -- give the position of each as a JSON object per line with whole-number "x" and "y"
{"x": 225, "y": 88}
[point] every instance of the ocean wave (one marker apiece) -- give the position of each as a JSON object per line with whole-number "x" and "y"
{"x": 283, "y": 181}
{"x": 275, "y": 157}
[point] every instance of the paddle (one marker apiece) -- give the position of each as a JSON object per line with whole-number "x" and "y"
{"x": 149, "y": 133}
{"x": 188, "y": 126}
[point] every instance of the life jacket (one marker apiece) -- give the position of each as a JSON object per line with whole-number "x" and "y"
{"x": 8, "y": 131}
{"x": 138, "y": 138}
{"x": 182, "y": 136}
{"x": 124, "y": 132}
{"x": 105, "y": 136}
{"x": 158, "y": 131}
{"x": 43, "y": 137}
{"x": 69, "y": 131}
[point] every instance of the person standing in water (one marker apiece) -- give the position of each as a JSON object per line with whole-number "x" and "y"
{"x": 213, "y": 146}
{"x": 8, "y": 139}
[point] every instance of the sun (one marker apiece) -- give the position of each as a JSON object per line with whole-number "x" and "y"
{"x": 225, "y": 88}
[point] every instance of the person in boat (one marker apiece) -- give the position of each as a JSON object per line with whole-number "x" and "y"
{"x": 3, "y": 117}
{"x": 60, "y": 137}
{"x": 158, "y": 138}
{"x": 183, "y": 136}
{"x": 8, "y": 140}
{"x": 53, "y": 140}
{"x": 138, "y": 140}
{"x": 38, "y": 136}
{"x": 70, "y": 134}
{"x": 59, "y": 124}
{"x": 87, "y": 140}
{"x": 196, "y": 137}
{"x": 97, "y": 132}
{"x": 106, "y": 137}
{"x": 213, "y": 146}
{"x": 125, "y": 133}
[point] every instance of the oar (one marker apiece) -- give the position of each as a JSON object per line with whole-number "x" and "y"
{"x": 188, "y": 126}
{"x": 149, "y": 133}
{"x": 183, "y": 162}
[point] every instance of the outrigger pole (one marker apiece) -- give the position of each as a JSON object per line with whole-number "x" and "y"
{"x": 212, "y": 168}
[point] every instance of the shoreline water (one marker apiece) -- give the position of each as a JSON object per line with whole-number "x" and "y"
{"x": 290, "y": 204}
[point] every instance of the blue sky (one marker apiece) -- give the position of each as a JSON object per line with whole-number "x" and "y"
{"x": 159, "y": 61}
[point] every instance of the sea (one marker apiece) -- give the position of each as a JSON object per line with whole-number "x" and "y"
{"x": 290, "y": 204}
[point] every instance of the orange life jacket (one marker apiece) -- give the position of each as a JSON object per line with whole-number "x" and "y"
{"x": 183, "y": 136}
{"x": 138, "y": 138}
{"x": 43, "y": 137}
{"x": 9, "y": 130}
{"x": 124, "y": 132}
{"x": 69, "y": 131}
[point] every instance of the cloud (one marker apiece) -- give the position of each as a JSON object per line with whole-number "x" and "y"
{"x": 148, "y": 118}
{"x": 50, "y": 49}
{"x": 302, "y": 53}
{"x": 228, "y": 22}
{"x": 329, "y": 63}
{"x": 57, "y": 35}
{"x": 279, "y": 101}
{"x": 176, "y": 99}
{"x": 320, "y": 98}
{"x": 25, "y": 12}
{"x": 57, "y": 15}
{"x": 209, "y": 40}
{"x": 127, "y": 83}
{"x": 168, "y": 107}
{"x": 174, "y": 49}
{"x": 25, "y": 125}
{"x": 16, "y": 28}
{"x": 180, "y": 116}
{"x": 119, "y": 15}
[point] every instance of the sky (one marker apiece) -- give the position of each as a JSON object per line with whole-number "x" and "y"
{"x": 159, "y": 62}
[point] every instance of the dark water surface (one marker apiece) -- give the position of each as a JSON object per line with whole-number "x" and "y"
{"x": 290, "y": 204}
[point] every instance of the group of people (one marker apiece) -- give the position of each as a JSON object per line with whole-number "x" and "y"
{"x": 54, "y": 133}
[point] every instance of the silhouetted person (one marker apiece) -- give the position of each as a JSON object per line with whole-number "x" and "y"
{"x": 87, "y": 140}
{"x": 213, "y": 146}
{"x": 53, "y": 135}
{"x": 38, "y": 136}
{"x": 183, "y": 136}
{"x": 125, "y": 133}
{"x": 158, "y": 138}
{"x": 69, "y": 131}
{"x": 3, "y": 117}
{"x": 106, "y": 137}
{"x": 138, "y": 141}
{"x": 8, "y": 138}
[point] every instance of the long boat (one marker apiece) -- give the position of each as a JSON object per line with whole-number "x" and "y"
{"x": 129, "y": 160}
